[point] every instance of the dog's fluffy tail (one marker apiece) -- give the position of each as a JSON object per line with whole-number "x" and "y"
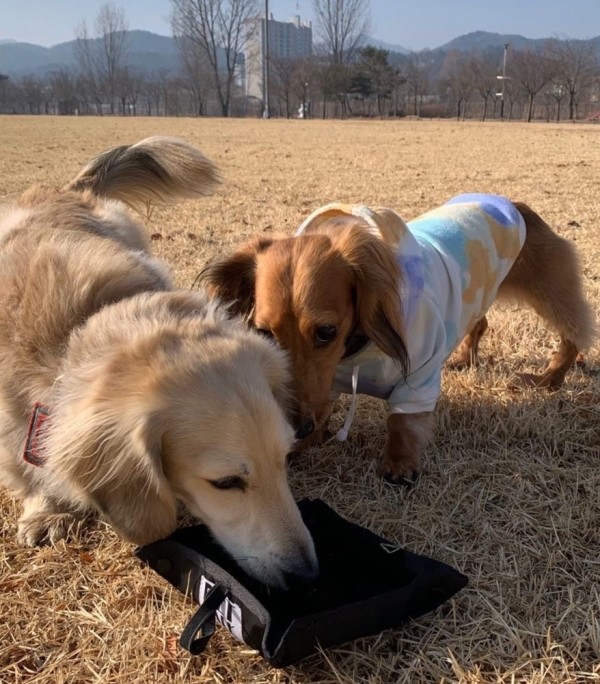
{"x": 160, "y": 170}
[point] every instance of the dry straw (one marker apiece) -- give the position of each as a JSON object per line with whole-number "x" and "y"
{"x": 510, "y": 494}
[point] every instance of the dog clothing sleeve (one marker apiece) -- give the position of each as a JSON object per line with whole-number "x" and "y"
{"x": 421, "y": 389}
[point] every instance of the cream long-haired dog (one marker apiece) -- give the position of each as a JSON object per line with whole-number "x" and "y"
{"x": 365, "y": 303}
{"x": 123, "y": 396}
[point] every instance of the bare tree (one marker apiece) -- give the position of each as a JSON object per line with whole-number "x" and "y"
{"x": 483, "y": 75}
{"x": 129, "y": 87}
{"x": 576, "y": 65}
{"x": 341, "y": 25}
{"x": 418, "y": 76}
{"x": 531, "y": 70}
{"x": 32, "y": 88}
{"x": 557, "y": 92}
{"x": 511, "y": 96}
{"x": 283, "y": 78}
{"x": 101, "y": 54}
{"x": 457, "y": 78}
{"x": 62, "y": 83}
{"x": 220, "y": 29}
{"x": 156, "y": 91}
{"x": 196, "y": 72}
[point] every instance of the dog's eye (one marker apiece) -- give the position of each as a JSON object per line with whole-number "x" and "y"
{"x": 325, "y": 334}
{"x": 233, "y": 482}
{"x": 265, "y": 332}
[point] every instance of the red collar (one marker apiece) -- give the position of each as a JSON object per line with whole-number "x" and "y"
{"x": 37, "y": 428}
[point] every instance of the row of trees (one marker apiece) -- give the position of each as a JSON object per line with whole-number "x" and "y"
{"x": 467, "y": 87}
{"x": 561, "y": 73}
{"x": 560, "y": 79}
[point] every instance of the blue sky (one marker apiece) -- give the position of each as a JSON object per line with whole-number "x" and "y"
{"x": 415, "y": 24}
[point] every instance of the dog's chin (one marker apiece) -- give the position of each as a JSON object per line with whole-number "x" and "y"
{"x": 270, "y": 577}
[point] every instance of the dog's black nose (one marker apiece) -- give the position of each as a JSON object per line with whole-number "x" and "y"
{"x": 301, "y": 578}
{"x": 305, "y": 427}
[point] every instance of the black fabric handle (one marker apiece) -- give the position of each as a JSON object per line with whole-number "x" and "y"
{"x": 203, "y": 621}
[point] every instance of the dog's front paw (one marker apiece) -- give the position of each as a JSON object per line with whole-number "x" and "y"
{"x": 534, "y": 381}
{"x": 404, "y": 471}
{"x": 460, "y": 360}
{"x": 46, "y": 528}
{"x": 408, "y": 433}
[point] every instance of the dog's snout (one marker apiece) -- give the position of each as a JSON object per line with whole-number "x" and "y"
{"x": 305, "y": 427}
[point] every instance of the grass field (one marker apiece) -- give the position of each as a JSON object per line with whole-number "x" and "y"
{"x": 511, "y": 489}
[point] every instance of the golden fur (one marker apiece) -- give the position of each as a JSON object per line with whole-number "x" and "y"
{"x": 155, "y": 395}
{"x": 341, "y": 275}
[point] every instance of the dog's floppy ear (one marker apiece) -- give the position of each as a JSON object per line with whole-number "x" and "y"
{"x": 377, "y": 281}
{"x": 110, "y": 457}
{"x": 232, "y": 279}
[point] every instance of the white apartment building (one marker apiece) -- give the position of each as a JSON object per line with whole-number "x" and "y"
{"x": 288, "y": 39}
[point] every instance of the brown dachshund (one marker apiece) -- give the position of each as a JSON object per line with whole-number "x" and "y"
{"x": 364, "y": 303}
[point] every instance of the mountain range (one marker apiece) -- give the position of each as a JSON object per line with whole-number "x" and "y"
{"x": 152, "y": 52}
{"x": 147, "y": 51}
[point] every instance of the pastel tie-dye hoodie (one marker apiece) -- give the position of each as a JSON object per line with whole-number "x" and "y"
{"x": 453, "y": 260}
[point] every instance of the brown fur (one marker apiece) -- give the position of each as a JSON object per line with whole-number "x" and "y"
{"x": 340, "y": 274}
{"x": 155, "y": 395}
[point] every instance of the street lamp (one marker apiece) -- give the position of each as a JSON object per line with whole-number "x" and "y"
{"x": 503, "y": 77}
{"x": 266, "y": 112}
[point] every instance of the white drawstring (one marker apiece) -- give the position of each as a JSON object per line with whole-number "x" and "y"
{"x": 342, "y": 435}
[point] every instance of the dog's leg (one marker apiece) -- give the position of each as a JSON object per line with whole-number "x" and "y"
{"x": 45, "y": 520}
{"x": 465, "y": 355}
{"x": 408, "y": 435}
{"x": 547, "y": 276}
{"x": 558, "y": 366}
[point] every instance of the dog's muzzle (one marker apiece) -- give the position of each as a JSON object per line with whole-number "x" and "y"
{"x": 304, "y": 427}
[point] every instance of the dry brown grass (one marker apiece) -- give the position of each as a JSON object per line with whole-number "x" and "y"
{"x": 510, "y": 495}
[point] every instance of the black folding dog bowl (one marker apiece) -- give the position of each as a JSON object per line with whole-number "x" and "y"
{"x": 366, "y": 584}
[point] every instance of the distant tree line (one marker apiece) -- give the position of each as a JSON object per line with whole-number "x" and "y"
{"x": 558, "y": 81}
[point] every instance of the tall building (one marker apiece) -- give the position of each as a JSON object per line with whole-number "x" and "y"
{"x": 287, "y": 39}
